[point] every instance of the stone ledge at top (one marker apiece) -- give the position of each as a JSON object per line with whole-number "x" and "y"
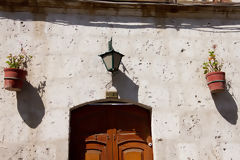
{"x": 121, "y": 2}
{"x": 145, "y": 8}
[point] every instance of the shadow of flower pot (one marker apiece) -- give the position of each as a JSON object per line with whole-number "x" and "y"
{"x": 126, "y": 88}
{"x": 30, "y": 105}
{"x": 226, "y": 106}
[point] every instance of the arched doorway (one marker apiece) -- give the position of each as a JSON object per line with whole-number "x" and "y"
{"x": 110, "y": 130}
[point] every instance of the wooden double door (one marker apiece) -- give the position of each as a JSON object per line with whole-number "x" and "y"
{"x": 107, "y": 132}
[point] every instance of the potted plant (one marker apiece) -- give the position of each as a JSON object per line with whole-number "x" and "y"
{"x": 15, "y": 74}
{"x": 215, "y": 77}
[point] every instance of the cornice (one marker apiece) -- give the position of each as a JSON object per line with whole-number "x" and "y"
{"x": 128, "y": 8}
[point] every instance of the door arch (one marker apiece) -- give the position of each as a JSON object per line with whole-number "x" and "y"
{"x": 110, "y": 130}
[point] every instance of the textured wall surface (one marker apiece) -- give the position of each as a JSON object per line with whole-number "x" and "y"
{"x": 161, "y": 69}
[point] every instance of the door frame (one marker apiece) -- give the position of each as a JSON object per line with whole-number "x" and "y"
{"x": 104, "y": 102}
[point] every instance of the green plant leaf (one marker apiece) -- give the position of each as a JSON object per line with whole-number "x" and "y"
{"x": 18, "y": 61}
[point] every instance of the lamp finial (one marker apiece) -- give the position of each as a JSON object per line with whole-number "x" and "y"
{"x": 110, "y": 47}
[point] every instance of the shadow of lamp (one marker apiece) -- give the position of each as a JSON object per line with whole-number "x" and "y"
{"x": 111, "y": 60}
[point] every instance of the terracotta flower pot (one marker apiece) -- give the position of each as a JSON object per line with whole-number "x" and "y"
{"x": 14, "y": 78}
{"x": 216, "y": 81}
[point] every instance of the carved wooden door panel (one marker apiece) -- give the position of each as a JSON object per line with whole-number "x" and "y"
{"x": 110, "y": 133}
{"x": 133, "y": 147}
{"x": 96, "y": 146}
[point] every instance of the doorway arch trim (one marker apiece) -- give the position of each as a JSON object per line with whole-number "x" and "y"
{"x": 113, "y": 102}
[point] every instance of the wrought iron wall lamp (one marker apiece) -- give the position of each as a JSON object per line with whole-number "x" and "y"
{"x": 111, "y": 59}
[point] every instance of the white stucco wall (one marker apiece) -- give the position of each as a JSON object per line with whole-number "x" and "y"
{"x": 163, "y": 58}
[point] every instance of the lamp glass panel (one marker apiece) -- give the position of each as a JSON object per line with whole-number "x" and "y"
{"x": 108, "y": 61}
{"x": 117, "y": 60}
